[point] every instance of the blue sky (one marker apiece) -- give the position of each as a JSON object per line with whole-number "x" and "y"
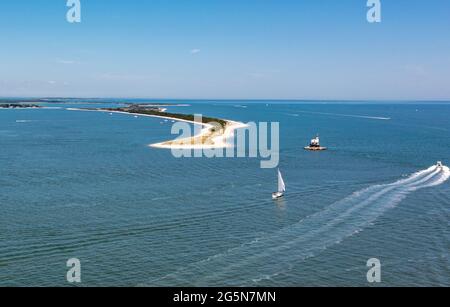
{"x": 226, "y": 49}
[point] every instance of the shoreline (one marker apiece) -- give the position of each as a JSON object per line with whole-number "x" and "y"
{"x": 214, "y": 140}
{"x": 206, "y": 139}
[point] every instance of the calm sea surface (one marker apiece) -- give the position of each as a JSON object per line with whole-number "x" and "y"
{"x": 86, "y": 185}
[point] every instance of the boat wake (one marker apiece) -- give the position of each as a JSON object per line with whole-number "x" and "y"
{"x": 269, "y": 256}
{"x": 347, "y": 115}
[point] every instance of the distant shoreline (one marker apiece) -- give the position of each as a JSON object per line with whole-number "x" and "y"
{"x": 175, "y": 101}
{"x": 18, "y": 106}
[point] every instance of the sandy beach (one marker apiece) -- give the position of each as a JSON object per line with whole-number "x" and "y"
{"x": 208, "y": 138}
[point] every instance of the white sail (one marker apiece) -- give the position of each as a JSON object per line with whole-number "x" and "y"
{"x": 281, "y": 185}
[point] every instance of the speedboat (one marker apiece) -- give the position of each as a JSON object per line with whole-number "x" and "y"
{"x": 439, "y": 165}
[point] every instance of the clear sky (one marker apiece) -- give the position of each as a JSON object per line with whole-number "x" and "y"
{"x": 225, "y": 49}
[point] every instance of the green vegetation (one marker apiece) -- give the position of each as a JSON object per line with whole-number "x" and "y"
{"x": 18, "y": 106}
{"x": 158, "y": 112}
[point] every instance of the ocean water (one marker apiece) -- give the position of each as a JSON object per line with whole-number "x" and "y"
{"x": 86, "y": 185}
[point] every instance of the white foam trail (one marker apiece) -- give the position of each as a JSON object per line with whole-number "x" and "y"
{"x": 277, "y": 252}
{"x": 347, "y": 115}
{"x": 444, "y": 176}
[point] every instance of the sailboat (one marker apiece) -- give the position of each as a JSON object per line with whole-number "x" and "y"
{"x": 281, "y": 187}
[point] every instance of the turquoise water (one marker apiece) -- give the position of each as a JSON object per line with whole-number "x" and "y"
{"x": 86, "y": 185}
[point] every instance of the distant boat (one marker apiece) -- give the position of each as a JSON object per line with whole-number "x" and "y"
{"x": 281, "y": 187}
{"x": 439, "y": 165}
{"x": 314, "y": 145}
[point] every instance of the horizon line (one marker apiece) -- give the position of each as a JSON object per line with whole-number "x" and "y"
{"x": 230, "y": 99}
